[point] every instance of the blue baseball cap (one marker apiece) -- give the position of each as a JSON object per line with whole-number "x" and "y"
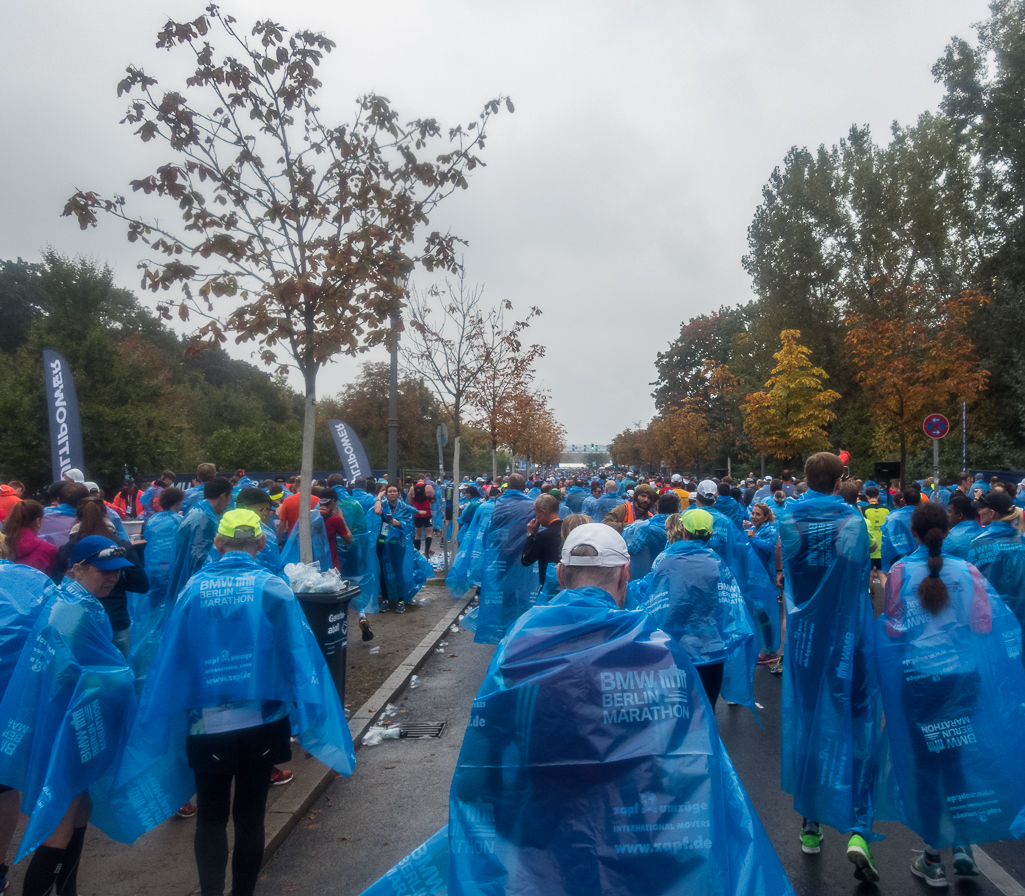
{"x": 99, "y": 552}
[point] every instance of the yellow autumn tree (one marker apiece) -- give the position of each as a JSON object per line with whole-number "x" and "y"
{"x": 788, "y": 420}
{"x": 684, "y": 438}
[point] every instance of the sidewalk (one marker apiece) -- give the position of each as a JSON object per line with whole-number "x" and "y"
{"x": 162, "y": 862}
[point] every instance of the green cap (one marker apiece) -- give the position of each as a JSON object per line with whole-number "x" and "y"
{"x": 239, "y": 524}
{"x": 698, "y": 522}
{"x": 555, "y": 493}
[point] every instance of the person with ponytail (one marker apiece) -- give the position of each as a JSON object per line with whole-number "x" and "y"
{"x": 91, "y": 520}
{"x": 999, "y": 550}
{"x": 21, "y": 532}
{"x": 953, "y": 691}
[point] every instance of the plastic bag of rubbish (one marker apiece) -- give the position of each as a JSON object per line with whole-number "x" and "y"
{"x": 378, "y": 733}
{"x": 306, "y": 579}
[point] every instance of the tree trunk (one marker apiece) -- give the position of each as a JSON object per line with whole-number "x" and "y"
{"x": 455, "y": 495}
{"x": 306, "y": 469}
{"x": 494, "y": 461}
{"x": 903, "y": 458}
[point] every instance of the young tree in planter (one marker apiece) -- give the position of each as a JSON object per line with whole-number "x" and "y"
{"x": 509, "y": 371}
{"x": 450, "y": 350}
{"x": 304, "y": 230}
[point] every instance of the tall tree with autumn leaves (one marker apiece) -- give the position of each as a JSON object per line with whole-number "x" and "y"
{"x": 788, "y": 420}
{"x": 295, "y": 234}
{"x": 913, "y": 356}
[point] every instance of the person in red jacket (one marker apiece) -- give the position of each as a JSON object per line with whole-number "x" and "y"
{"x": 128, "y": 501}
{"x": 334, "y": 522}
{"x": 21, "y": 537}
{"x": 8, "y": 498}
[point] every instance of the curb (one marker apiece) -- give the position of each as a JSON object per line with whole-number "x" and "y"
{"x": 285, "y": 814}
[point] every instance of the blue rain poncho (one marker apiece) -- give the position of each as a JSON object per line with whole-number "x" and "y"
{"x": 592, "y": 764}
{"x": 255, "y": 645}
{"x": 730, "y": 507}
{"x": 757, "y": 586}
{"x": 365, "y": 500}
{"x": 645, "y": 540}
{"x": 695, "y": 599}
{"x": 467, "y": 567}
{"x": 23, "y": 593}
{"x": 999, "y": 553}
{"x": 192, "y": 497}
{"x": 424, "y": 872}
{"x": 64, "y": 715}
{"x": 508, "y": 588}
{"x": 192, "y": 545}
{"x": 58, "y": 522}
{"x": 439, "y": 504}
{"x": 603, "y": 506}
{"x": 359, "y": 564}
{"x": 318, "y": 541}
{"x": 960, "y": 537}
{"x": 897, "y": 537}
{"x": 352, "y": 512}
{"x": 402, "y": 574}
{"x": 575, "y": 497}
{"x": 953, "y": 690}
{"x": 589, "y": 506}
{"x": 830, "y": 703}
{"x": 149, "y": 611}
{"x": 763, "y": 541}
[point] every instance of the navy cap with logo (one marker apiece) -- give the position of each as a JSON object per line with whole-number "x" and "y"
{"x": 95, "y": 550}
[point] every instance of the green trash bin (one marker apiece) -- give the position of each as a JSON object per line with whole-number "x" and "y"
{"x": 327, "y": 612}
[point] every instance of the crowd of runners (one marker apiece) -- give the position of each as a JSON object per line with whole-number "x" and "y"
{"x": 152, "y": 651}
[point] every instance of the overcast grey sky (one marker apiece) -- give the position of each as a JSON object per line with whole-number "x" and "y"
{"x": 618, "y": 196}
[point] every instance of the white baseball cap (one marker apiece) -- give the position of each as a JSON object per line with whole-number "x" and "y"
{"x": 604, "y": 539}
{"x": 708, "y": 489}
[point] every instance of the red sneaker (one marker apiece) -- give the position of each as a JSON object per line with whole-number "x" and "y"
{"x": 187, "y": 811}
{"x": 767, "y": 659}
{"x": 279, "y": 776}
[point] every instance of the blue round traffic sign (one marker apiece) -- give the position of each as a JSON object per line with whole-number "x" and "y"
{"x": 936, "y": 426}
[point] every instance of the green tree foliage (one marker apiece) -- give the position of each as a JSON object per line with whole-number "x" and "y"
{"x": 683, "y": 368}
{"x": 983, "y": 102}
{"x": 938, "y": 209}
{"x": 147, "y": 402}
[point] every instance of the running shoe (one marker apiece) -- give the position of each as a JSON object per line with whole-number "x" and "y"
{"x": 777, "y": 667}
{"x": 931, "y": 872}
{"x": 279, "y": 776}
{"x": 401, "y": 608}
{"x": 964, "y": 861}
{"x": 767, "y": 659}
{"x": 187, "y": 811}
{"x": 364, "y": 626}
{"x": 382, "y": 606}
{"x": 811, "y": 841}
{"x": 860, "y": 855}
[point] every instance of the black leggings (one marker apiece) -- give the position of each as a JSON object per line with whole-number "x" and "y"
{"x": 711, "y": 677}
{"x": 249, "y": 755}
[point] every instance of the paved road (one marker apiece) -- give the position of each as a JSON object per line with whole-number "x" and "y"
{"x": 399, "y": 796}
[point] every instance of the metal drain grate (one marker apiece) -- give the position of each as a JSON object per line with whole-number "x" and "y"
{"x": 425, "y": 730}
